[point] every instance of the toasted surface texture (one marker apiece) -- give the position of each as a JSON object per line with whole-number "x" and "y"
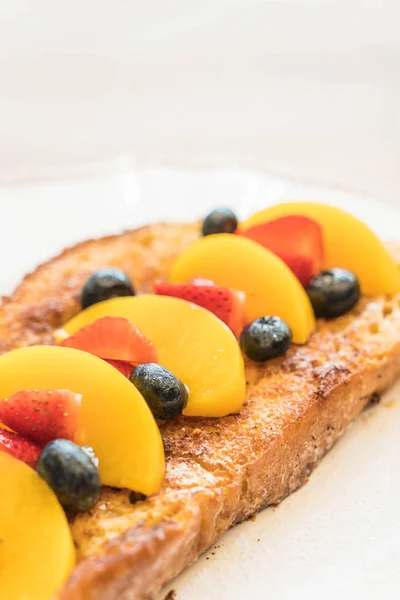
{"x": 219, "y": 471}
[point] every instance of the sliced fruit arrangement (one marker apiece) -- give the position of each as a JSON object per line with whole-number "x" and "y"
{"x": 114, "y": 418}
{"x": 192, "y": 343}
{"x": 36, "y": 550}
{"x": 225, "y": 303}
{"x": 71, "y": 471}
{"x": 20, "y": 448}
{"x": 42, "y": 415}
{"x": 348, "y": 244}
{"x": 297, "y": 240}
{"x": 242, "y": 264}
{"x": 113, "y": 338}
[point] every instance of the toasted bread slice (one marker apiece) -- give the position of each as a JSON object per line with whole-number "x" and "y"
{"x": 219, "y": 471}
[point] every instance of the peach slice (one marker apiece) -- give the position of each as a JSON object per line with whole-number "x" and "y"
{"x": 36, "y": 549}
{"x": 239, "y": 263}
{"x": 115, "y": 419}
{"x": 191, "y": 342}
{"x": 348, "y": 243}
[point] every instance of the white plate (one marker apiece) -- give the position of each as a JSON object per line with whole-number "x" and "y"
{"x": 337, "y": 537}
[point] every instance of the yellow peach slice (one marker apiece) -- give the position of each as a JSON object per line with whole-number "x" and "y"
{"x": 348, "y": 243}
{"x": 115, "y": 419}
{"x": 191, "y": 342}
{"x": 239, "y": 263}
{"x": 36, "y": 548}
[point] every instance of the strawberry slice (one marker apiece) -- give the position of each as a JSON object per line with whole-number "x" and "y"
{"x": 225, "y": 303}
{"x": 123, "y": 367}
{"x": 17, "y": 446}
{"x": 42, "y": 415}
{"x": 113, "y": 338}
{"x": 297, "y": 240}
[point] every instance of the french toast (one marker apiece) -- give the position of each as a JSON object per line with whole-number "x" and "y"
{"x": 219, "y": 471}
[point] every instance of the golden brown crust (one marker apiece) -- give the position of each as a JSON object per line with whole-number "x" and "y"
{"x": 49, "y": 296}
{"x": 219, "y": 471}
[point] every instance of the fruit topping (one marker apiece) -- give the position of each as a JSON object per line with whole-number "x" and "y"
{"x": 165, "y": 394}
{"x": 17, "y": 446}
{"x": 114, "y": 418}
{"x": 71, "y": 474}
{"x": 225, "y": 303}
{"x": 113, "y": 338}
{"x": 297, "y": 240}
{"x": 106, "y": 284}
{"x": 36, "y": 549}
{"x": 333, "y": 293}
{"x": 269, "y": 285}
{"x": 348, "y": 243}
{"x": 42, "y": 415}
{"x": 122, "y": 366}
{"x": 220, "y": 220}
{"x": 266, "y": 338}
{"x": 192, "y": 343}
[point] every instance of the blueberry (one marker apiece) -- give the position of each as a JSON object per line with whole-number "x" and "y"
{"x": 71, "y": 473}
{"x": 266, "y": 338}
{"x": 220, "y": 220}
{"x": 106, "y": 284}
{"x": 333, "y": 293}
{"x": 165, "y": 394}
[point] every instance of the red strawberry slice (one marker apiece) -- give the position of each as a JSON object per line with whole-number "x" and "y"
{"x": 17, "y": 446}
{"x": 42, "y": 415}
{"x": 297, "y": 240}
{"x": 123, "y": 367}
{"x": 225, "y": 303}
{"x": 303, "y": 267}
{"x": 113, "y": 338}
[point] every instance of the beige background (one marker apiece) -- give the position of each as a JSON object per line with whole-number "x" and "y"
{"x": 304, "y": 87}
